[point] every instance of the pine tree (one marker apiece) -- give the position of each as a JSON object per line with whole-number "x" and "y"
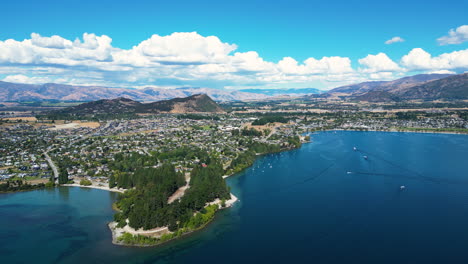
{"x": 63, "y": 176}
{"x": 112, "y": 181}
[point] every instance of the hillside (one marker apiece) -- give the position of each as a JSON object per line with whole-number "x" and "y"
{"x": 389, "y": 86}
{"x": 453, "y": 87}
{"x": 192, "y": 104}
{"x": 450, "y": 88}
{"x": 122, "y": 107}
{"x": 377, "y": 96}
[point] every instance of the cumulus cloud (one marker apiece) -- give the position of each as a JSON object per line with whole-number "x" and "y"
{"x": 330, "y": 65}
{"x": 190, "y": 59}
{"x": 394, "y": 40}
{"x": 455, "y": 36}
{"x": 54, "y": 42}
{"x": 442, "y": 72}
{"x": 325, "y": 65}
{"x": 378, "y": 63}
{"x": 419, "y": 59}
{"x": 19, "y": 78}
{"x": 381, "y": 76}
{"x": 56, "y": 50}
{"x": 180, "y": 58}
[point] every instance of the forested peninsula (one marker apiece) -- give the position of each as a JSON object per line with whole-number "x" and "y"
{"x": 147, "y": 213}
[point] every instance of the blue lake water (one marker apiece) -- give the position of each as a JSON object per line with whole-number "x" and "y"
{"x": 323, "y": 203}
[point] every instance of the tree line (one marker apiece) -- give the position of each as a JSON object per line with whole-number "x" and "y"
{"x": 146, "y": 206}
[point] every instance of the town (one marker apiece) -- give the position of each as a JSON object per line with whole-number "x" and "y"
{"x": 37, "y": 151}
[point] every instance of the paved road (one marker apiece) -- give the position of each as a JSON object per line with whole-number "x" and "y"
{"x": 51, "y": 162}
{"x": 52, "y": 165}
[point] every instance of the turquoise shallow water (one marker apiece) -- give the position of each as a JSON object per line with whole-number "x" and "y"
{"x": 300, "y": 206}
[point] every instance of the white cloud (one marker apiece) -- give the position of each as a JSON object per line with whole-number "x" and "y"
{"x": 326, "y": 65}
{"x": 329, "y": 65}
{"x": 419, "y": 59}
{"x": 442, "y": 72}
{"x": 381, "y": 76}
{"x": 19, "y": 78}
{"x": 177, "y": 48}
{"x": 250, "y": 62}
{"x": 54, "y": 42}
{"x": 56, "y": 50}
{"x": 394, "y": 40}
{"x": 457, "y": 36}
{"x": 289, "y": 65}
{"x": 378, "y": 63}
{"x": 190, "y": 59}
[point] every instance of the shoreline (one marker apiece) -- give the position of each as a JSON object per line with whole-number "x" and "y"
{"x": 397, "y": 131}
{"x": 94, "y": 187}
{"x": 157, "y": 232}
{"x": 160, "y": 231}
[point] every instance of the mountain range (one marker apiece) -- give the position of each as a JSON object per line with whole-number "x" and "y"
{"x": 423, "y": 86}
{"x": 53, "y": 91}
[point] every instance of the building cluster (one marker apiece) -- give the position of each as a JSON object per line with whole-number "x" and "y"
{"x": 86, "y": 152}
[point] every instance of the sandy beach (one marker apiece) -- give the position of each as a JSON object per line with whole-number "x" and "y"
{"x": 95, "y": 187}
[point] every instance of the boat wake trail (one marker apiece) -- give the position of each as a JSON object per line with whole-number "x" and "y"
{"x": 414, "y": 177}
{"x": 315, "y": 176}
{"x": 373, "y": 155}
{"x": 412, "y": 174}
{"x": 292, "y": 185}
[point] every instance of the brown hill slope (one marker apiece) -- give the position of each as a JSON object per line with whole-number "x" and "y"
{"x": 122, "y": 107}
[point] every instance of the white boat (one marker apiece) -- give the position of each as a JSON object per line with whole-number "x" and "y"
{"x": 402, "y": 187}
{"x": 354, "y": 148}
{"x": 365, "y": 157}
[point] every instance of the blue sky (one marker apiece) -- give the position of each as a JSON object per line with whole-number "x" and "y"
{"x": 342, "y": 32}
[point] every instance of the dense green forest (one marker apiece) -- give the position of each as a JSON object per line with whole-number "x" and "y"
{"x": 247, "y": 158}
{"x": 19, "y": 185}
{"x": 269, "y": 119}
{"x": 63, "y": 163}
{"x": 197, "y": 221}
{"x": 252, "y": 132}
{"x": 146, "y": 205}
{"x": 295, "y": 141}
{"x": 243, "y": 160}
{"x": 128, "y": 162}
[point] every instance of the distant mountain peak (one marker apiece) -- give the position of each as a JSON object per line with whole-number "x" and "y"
{"x": 120, "y": 106}
{"x": 388, "y": 89}
{"x": 452, "y": 87}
